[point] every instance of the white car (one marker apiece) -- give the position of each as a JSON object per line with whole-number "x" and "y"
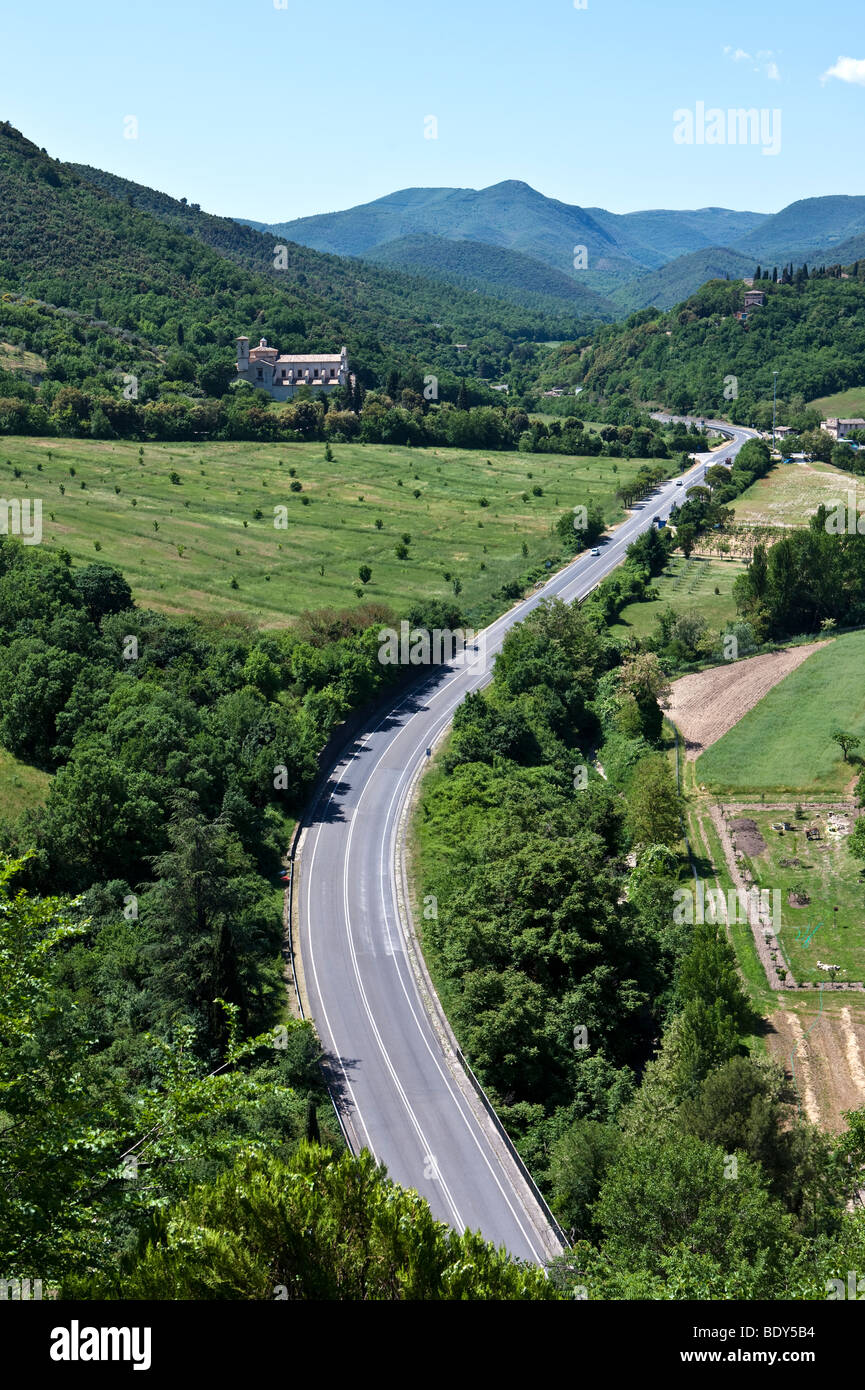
{"x": 595, "y": 551}
{"x": 679, "y": 482}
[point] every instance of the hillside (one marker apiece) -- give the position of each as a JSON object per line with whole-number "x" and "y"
{"x": 812, "y": 332}
{"x": 807, "y": 230}
{"x": 674, "y": 282}
{"x": 181, "y": 285}
{"x": 509, "y": 275}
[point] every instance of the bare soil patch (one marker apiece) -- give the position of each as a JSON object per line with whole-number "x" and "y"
{"x": 705, "y": 705}
{"x": 747, "y": 837}
{"x": 823, "y": 1052}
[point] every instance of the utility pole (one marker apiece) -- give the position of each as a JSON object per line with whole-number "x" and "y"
{"x": 774, "y": 406}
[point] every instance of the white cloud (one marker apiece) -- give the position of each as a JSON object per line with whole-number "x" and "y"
{"x": 847, "y": 70}
{"x": 763, "y": 61}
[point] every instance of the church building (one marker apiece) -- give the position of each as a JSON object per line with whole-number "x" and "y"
{"x": 280, "y": 375}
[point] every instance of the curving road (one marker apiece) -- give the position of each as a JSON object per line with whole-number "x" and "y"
{"x": 396, "y": 1080}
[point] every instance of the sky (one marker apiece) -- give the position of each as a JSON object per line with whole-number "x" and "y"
{"x": 275, "y": 109}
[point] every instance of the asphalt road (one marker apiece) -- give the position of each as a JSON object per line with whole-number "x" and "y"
{"x": 397, "y": 1086}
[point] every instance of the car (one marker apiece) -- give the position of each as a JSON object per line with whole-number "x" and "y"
{"x": 596, "y": 551}
{"x": 679, "y": 483}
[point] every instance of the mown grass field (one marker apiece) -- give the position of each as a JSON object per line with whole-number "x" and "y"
{"x": 833, "y": 880}
{"x": 22, "y": 788}
{"x": 848, "y": 404}
{"x": 687, "y": 586}
{"x": 784, "y": 745}
{"x": 180, "y": 544}
{"x": 791, "y": 493}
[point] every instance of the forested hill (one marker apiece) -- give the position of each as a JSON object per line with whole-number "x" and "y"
{"x": 811, "y": 331}
{"x": 170, "y": 274}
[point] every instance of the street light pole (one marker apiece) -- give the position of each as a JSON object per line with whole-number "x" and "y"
{"x": 774, "y": 406}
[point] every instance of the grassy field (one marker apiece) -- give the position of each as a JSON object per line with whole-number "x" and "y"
{"x": 687, "y": 586}
{"x": 783, "y": 745}
{"x": 16, "y": 357}
{"x": 833, "y": 880}
{"x": 22, "y": 788}
{"x": 791, "y": 493}
{"x": 181, "y": 542}
{"x": 849, "y": 404}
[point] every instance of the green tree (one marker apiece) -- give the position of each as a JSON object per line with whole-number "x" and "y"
{"x": 654, "y": 807}
{"x": 846, "y": 741}
{"x": 321, "y": 1226}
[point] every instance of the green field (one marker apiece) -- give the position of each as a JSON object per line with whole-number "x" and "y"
{"x": 791, "y": 493}
{"x": 181, "y": 543}
{"x": 686, "y": 586}
{"x": 783, "y": 745}
{"x": 849, "y": 404}
{"x": 22, "y": 788}
{"x": 833, "y": 879}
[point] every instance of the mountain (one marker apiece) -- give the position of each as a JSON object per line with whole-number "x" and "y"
{"x": 509, "y": 275}
{"x": 807, "y": 230}
{"x": 625, "y": 251}
{"x": 676, "y": 281}
{"x": 667, "y": 235}
{"x": 516, "y": 217}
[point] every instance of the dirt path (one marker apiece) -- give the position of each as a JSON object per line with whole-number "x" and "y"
{"x": 765, "y": 940}
{"x": 705, "y": 705}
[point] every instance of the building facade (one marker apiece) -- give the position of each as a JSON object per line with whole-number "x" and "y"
{"x": 842, "y": 429}
{"x": 281, "y": 374}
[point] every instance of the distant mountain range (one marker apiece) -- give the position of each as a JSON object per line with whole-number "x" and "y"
{"x": 511, "y": 241}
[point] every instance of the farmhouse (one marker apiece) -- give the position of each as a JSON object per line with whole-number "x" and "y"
{"x": 841, "y": 429}
{"x": 754, "y": 299}
{"x": 281, "y": 374}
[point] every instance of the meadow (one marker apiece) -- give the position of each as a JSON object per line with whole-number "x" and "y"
{"x": 688, "y": 586}
{"x": 192, "y": 526}
{"x": 791, "y": 493}
{"x": 783, "y": 745}
{"x": 22, "y": 788}
{"x": 849, "y": 404}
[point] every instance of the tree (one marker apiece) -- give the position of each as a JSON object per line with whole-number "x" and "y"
{"x": 364, "y": 574}
{"x": 846, "y": 742}
{"x": 579, "y": 1162}
{"x": 654, "y": 806}
{"x": 685, "y": 539}
{"x": 676, "y": 1196}
{"x": 321, "y": 1226}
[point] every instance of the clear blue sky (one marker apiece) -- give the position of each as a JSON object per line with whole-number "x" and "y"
{"x": 275, "y": 113}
